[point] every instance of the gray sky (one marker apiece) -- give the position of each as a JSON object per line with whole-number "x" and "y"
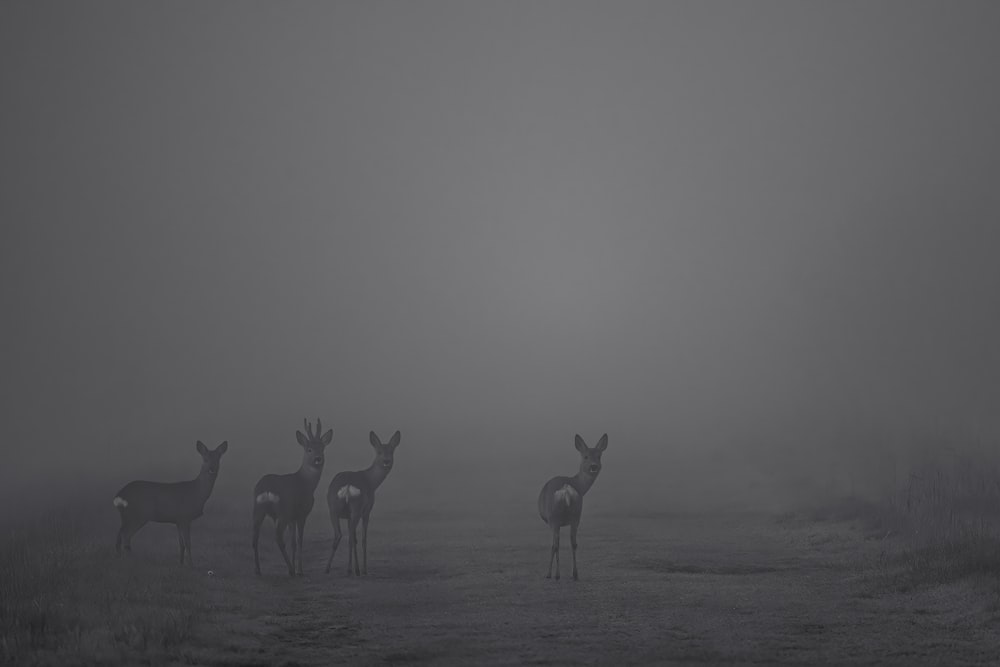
{"x": 698, "y": 226}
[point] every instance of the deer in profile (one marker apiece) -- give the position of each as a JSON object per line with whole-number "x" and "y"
{"x": 288, "y": 499}
{"x": 351, "y": 496}
{"x": 178, "y": 503}
{"x": 561, "y": 501}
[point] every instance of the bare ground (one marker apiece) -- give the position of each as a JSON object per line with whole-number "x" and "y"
{"x": 461, "y": 589}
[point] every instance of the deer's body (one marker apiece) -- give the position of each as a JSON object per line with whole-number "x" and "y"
{"x": 560, "y": 502}
{"x": 288, "y": 499}
{"x": 351, "y": 496}
{"x": 178, "y": 503}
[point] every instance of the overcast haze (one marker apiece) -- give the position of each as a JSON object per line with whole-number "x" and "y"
{"x": 737, "y": 228}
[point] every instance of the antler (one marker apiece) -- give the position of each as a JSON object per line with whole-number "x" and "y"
{"x": 310, "y": 433}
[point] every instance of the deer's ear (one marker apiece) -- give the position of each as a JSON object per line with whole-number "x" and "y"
{"x": 301, "y": 438}
{"x": 223, "y": 447}
{"x": 327, "y": 437}
{"x": 581, "y": 446}
{"x": 602, "y": 444}
{"x": 394, "y": 441}
{"x": 373, "y": 439}
{"x": 202, "y": 449}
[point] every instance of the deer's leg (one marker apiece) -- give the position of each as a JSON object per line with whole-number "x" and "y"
{"x": 555, "y": 547}
{"x": 187, "y": 542}
{"x": 301, "y": 525}
{"x": 180, "y": 540}
{"x": 554, "y": 556}
{"x": 350, "y": 544}
{"x": 352, "y": 534}
{"x": 357, "y": 561}
{"x": 572, "y": 541}
{"x": 279, "y": 535}
{"x": 364, "y": 543}
{"x": 121, "y": 532}
{"x": 336, "y": 540}
{"x": 293, "y": 529}
{"x": 130, "y": 530}
{"x": 258, "y": 518}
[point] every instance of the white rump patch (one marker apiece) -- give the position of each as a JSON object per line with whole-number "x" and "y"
{"x": 348, "y": 492}
{"x": 566, "y": 495}
{"x": 267, "y": 497}
{"x": 120, "y": 502}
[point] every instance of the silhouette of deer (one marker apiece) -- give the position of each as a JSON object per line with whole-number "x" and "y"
{"x": 351, "y": 496}
{"x": 178, "y": 503}
{"x": 288, "y": 499}
{"x": 561, "y": 501}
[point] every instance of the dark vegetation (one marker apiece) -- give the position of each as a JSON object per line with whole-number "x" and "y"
{"x": 60, "y": 601}
{"x": 938, "y": 521}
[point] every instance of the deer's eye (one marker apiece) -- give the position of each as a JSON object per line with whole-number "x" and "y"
{"x": 309, "y": 449}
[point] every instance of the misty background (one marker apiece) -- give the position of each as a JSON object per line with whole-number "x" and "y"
{"x": 755, "y": 243}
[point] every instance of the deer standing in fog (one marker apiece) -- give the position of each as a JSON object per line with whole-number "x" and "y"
{"x": 561, "y": 501}
{"x": 288, "y": 499}
{"x": 178, "y": 503}
{"x": 351, "y": 496}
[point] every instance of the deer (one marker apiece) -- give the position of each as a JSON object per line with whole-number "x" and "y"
{"x": 560, "y": 502}
{"x": 351, "y": 496}
{"x": 179, "y": 503}
{"x": 288, "y": 499}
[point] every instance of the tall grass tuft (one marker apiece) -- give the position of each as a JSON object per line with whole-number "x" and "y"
{"x": 37, "y": 561}
{"x": 64, "y": 597}
{"x": 946, "y": 509}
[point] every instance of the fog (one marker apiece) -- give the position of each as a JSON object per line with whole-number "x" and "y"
{"x": 753, "y": 242}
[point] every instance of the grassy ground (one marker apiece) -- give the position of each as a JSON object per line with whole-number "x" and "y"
{"x": 464, "y": 589}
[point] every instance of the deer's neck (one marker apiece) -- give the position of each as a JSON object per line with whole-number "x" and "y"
{"x": 376, "y": 473}
{"x": 205, "y": 484}
{"x": 583, "y": 482}
{"x": 310, "y": 476}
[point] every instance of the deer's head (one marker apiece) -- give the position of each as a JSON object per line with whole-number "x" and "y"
{"x": 384, "y": 452}
{"x": 590, "y": 457}
{"x": 313, "y": 445}
{"x": 210, "y": 457}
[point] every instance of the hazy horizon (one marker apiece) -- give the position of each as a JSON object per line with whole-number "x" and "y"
{"x": 740, "y": 238}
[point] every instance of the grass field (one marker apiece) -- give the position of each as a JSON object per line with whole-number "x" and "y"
{"x": 468, "y": 589}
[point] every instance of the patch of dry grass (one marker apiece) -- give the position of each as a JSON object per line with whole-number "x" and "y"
{"x": 64, "y": 597}
{"x": 943, "y": 518}
{"x": 941, "y": 560}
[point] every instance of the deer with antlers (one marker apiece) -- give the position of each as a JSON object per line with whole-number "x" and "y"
{"x": 561, "y": 501}
{"x": 178, "y": 503}
{"x": 351, "y": 496}
{"x": 288, "y": 499}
